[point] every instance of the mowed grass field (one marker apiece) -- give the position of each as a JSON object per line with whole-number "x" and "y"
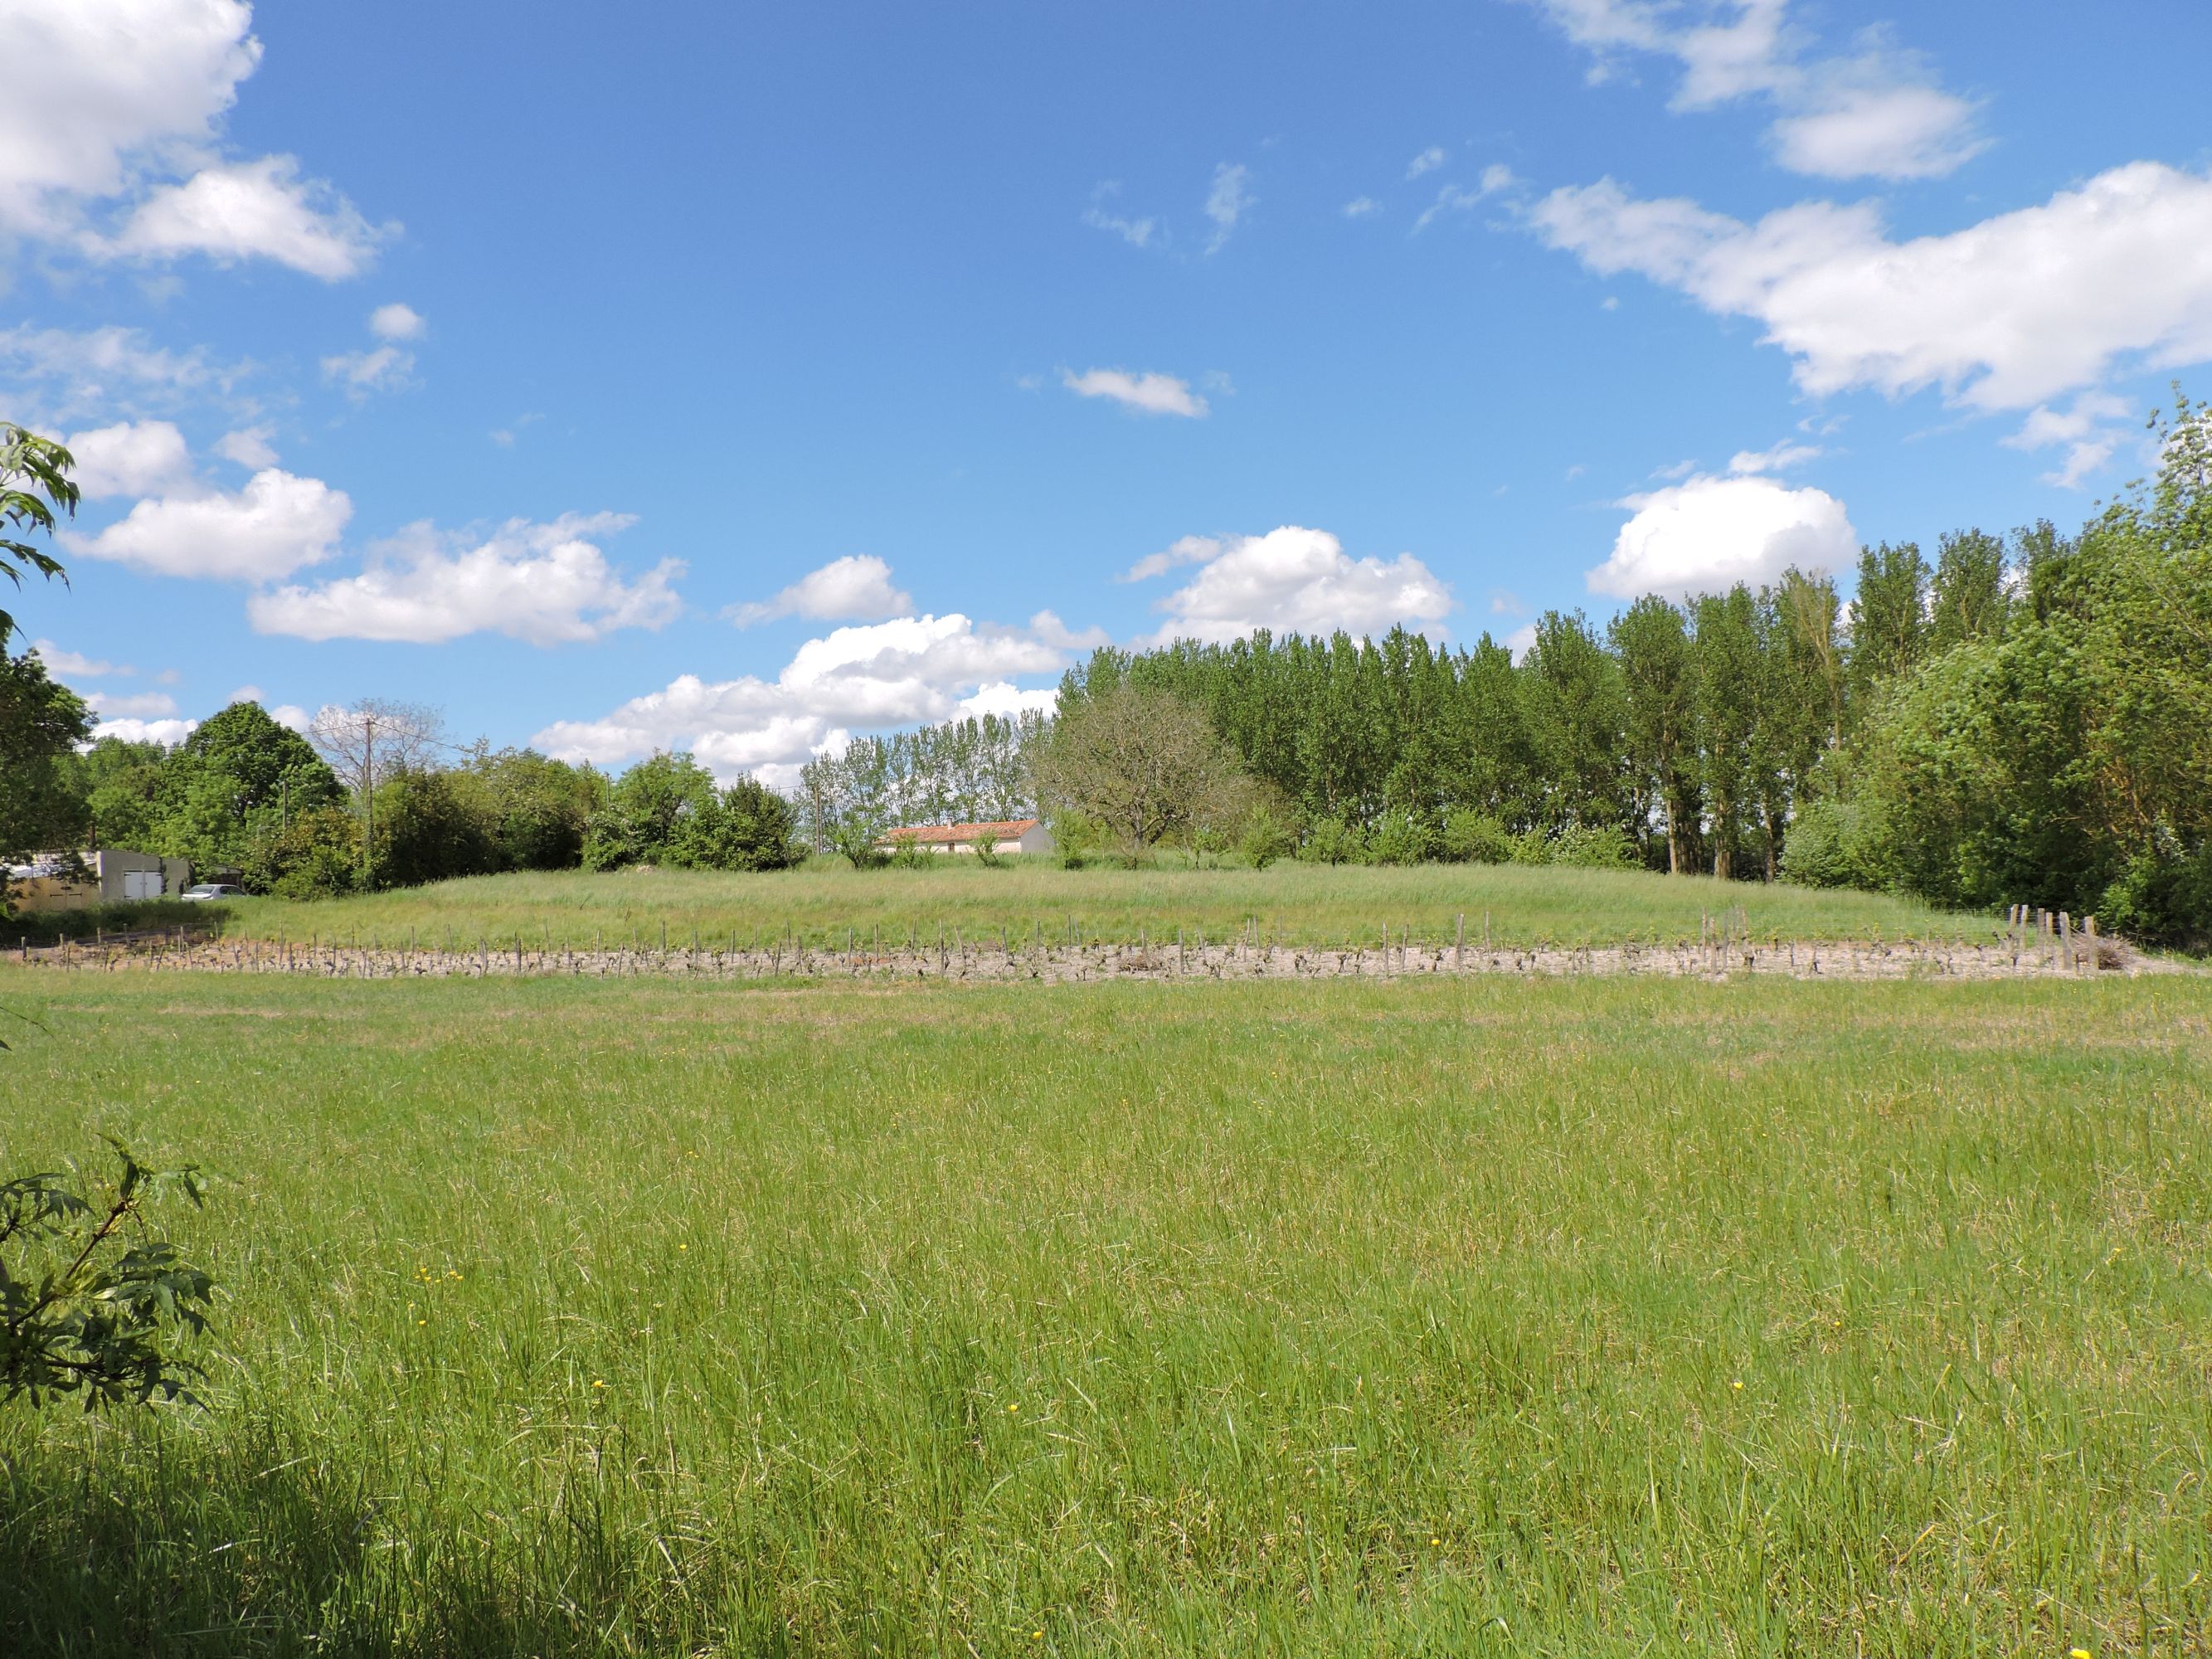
{"x": 1293, "y": 903}
{"x": 1581, "y": 1318}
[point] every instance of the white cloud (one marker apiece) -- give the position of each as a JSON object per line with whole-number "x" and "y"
{"x": 284, "y": 713}
{"x": 166, "y": 732}
{"x": 1427, "y": 161}
{"x": 115, "y": 81}
{"x": 544, "y": 583}
{"x": 71, "y": 665}
{"x": 1227, "y": 203}
{"x": 855, "y": 588}
{"x": 1454, "y": 198}
{"x": 1707, "y": 534}
{"x": 271, "y": 528}
{"x": 868, "y": 678}
{"x": 387, "y": 368}
{"x": 1149, "y": 393}
{"x": 1360, "y": 206}
{"x": 1888, "y": 131}
{"x": 1136, "y": 233}
{"x": 2085, "y": 430}
{"x": 1879, "y": 113}
{"x": 63, "y": 375}
{"x": 249, "y": 446}
{"x": 142, "y": 458}
{"x": 126, "y": 112}
{"x": 252, "y": 210}
{"x": 1521, "y": 641}
{"x": 396, "y": 322}
{"x": 1292, "y": 579}
{"x": 111, "y": 705}
{"x": 1184, "y": 549}
{"x": 1002, "y": 698}
{"x": 1779, "y": 458}
{"x": 2004, "y": 314}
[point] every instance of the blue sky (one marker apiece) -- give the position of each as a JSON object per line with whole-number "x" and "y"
{"x": 735, "y": 378}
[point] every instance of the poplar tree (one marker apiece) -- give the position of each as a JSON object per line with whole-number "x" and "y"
{"x": 1659, "y": 684}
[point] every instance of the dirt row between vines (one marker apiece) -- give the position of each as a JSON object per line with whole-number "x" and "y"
{"x": 2005, "y": 957}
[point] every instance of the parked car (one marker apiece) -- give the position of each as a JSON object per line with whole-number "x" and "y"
{"x": 212, "y": 889}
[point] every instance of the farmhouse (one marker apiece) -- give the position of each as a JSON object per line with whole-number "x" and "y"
{"x": 1006, "y": 836}
{"x": 107, "y": 875}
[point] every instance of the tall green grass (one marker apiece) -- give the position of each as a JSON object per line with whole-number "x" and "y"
{"x": 1594, "y": 1318}
{"x": 1297, "y": 904}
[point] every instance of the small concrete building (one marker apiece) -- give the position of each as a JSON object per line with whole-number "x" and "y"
{"x": 106, "y": 875}
{"x": 1007, "y": 835}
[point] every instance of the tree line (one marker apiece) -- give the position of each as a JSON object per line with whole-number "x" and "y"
{"x": 2025, "y": 719}
{"x": 2019, "y": 720}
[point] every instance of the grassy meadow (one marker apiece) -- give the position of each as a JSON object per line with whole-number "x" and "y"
{"x": 1294, "y": 903}
{"x": 1584, "y": 1318}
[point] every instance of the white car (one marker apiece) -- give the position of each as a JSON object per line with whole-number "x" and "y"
{"x": 211, "y": 889}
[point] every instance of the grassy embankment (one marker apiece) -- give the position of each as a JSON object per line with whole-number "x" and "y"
{"x": 1295, "y": 903}
{"x": 1448, "y": 1318}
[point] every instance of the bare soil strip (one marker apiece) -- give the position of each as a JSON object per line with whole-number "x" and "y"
{"x": 2008, "y": 955}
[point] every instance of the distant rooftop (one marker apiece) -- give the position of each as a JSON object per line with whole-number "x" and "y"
{"x": 1003, "y": 830}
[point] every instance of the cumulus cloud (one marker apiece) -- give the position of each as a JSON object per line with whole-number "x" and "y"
{"x": 249, "y": 446}
{"x": 864, "y": 678}
{"x": 1360, "y": 206}
{"x": 1227, "y": 203}
{"x": 546, "y": 583}
{"x": 275, "y": 526}
{"x": 396, "y": 322}
{"x": 855, "y": 588}
{"x": 116, "y": 80}
{"x": 140, "y": 458}
{"x": 1291, "y": 578}
{"x": 1149, "y": 393}
{"x": 1427, "y": 161}
{"x": 166, "y": 732}
{"x": 1879, "y": 112}
{"x": 252, "y": 209}
{"x": 72, "y": 664}
{"x": 2004, "y": 314}
{"x": 139, "y": 705}
{"x": 1706, "y": 534}
{"x": 125, "y": 113}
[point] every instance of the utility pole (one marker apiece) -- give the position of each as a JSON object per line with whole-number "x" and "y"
{"x": 285, "y": 823}
{"x": 368, "y": 800}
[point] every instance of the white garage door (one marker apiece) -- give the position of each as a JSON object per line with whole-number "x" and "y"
{"x": 142, "y": 883}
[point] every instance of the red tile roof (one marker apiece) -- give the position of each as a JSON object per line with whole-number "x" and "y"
{"x": 1004, "y": 829}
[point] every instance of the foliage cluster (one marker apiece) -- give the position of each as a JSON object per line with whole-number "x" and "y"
{"x": 85, "y": 1309}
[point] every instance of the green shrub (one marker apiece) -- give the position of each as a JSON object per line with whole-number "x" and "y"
{"x": 1829, "y": 845}
{"x": 1475, "y": 838}
{"x": 1333, "y": 840}
{"x": 1266, "y": 838}
{"x": 316, "y": 855}
{"x": 2164, "y": 896}
{"x": 1594, "y": 846}
{"x": 1404, "y": 838}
